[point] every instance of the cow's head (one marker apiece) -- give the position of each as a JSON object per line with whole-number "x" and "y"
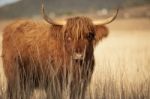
{"x": 81, "y": 34}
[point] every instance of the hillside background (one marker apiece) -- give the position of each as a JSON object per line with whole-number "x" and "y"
{"x": 31, "y": 8}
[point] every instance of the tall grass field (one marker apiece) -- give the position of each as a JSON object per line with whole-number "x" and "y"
{"x": 122, "y": 69}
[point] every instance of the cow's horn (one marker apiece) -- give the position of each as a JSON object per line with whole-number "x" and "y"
{"x": 46, "y": 18}
{"x": 106, "y": 21}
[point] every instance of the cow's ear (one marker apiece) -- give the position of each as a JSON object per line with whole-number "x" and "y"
{"x": 101, "y": 32}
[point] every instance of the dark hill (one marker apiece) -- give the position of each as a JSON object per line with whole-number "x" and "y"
{"x": 28, "y": 8}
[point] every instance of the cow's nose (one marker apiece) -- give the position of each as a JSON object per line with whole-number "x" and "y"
{"x": 78, "y": 56}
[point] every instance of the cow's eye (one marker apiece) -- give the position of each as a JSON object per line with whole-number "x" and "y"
{"x": 90, "y": 36}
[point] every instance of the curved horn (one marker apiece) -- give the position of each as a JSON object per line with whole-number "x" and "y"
{"x": 108, "y": 20}
{"x": 46, "y": 18}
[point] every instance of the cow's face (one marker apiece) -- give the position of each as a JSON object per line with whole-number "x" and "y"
{"x": 80, "y": 36}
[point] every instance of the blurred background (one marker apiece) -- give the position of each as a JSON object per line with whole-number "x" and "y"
{"x": 10, "y": 9}
{"x": 61, "y": 9}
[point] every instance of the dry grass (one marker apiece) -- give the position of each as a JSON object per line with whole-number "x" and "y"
{"x": 122, "y": 68}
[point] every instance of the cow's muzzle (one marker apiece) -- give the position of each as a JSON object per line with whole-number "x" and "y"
{"x": 78, "y": 58}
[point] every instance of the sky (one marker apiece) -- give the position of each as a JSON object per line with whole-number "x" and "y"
{"x": 5, "y": 2}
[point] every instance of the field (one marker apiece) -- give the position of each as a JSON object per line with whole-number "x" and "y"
{"x": 122, "y": 69}
{"x": 122, "y": 62}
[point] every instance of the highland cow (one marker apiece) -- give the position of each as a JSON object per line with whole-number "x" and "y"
{"x": 51, "y": 56}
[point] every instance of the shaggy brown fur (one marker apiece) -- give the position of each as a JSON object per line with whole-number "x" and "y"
{"x": 36, "y": 54}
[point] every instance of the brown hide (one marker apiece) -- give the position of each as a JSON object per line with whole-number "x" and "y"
{"x": 36, "y": 52}
{"x": 30, "y": 42}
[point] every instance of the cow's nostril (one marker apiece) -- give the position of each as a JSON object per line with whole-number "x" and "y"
{"x": 78, "y": 56}
{"x": 78, "y": 61}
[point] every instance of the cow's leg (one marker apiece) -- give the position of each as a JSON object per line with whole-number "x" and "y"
{"x": 12, "y": 91}
{"x": 18, "y": 91}
{"x": 26, "y": 81}
{"x": 13, "y": 87}
{"x": 78, "y": 90}
{"x": 25, "y": 93}
{"x": 26, "y": 89}
{"x": 11, "y": 74}
{"x": 84, "y": 89}
{"x": 87, "y": 77}
{"x": 18, "y": 85}
{"x": 75, "y": 90}
{"x": 53, "y": 89}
